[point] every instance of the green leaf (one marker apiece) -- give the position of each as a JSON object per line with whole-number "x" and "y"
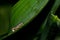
{"x": 23, "y": 12}
{"x": 49, "y": 21}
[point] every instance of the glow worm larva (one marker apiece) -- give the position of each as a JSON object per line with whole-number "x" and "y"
{"x": 17, "y": 27}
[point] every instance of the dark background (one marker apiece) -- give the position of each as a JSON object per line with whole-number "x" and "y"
{"x": 30, "y": 30}
{"x": 8, "y": 2}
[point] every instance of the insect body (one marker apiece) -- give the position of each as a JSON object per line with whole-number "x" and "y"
{"x": 17, "y": 27}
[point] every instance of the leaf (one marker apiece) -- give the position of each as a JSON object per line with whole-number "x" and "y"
{"x": 4, "y": 20}
{"x": 23, "y": 12}
{"x": 49, "y": 21}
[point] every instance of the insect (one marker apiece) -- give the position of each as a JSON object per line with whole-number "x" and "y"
{"x": 17, "y": 27}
